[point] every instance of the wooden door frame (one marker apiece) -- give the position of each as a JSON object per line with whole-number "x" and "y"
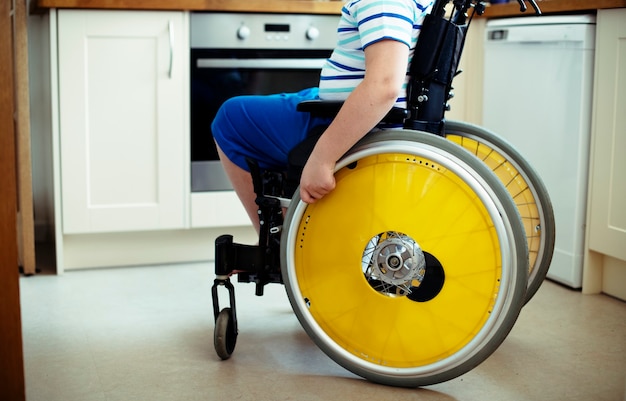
{"x": 12, "y": 385}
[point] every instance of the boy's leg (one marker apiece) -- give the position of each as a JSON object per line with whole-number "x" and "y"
{"x": 242, "y": 184}
{"x": 263, "y": 128}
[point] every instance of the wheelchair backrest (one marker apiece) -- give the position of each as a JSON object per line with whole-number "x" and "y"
{"x": 435, "y": 64}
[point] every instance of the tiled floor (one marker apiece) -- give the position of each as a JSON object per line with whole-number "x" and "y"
{"x": 146, "y": 333}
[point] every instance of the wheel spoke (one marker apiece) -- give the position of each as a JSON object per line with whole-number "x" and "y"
{"x": 524, "y": 186}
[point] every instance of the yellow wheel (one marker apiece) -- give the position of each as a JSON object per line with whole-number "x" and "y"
{"x": 414, "y": 269}
{"x": 525, "y": 187}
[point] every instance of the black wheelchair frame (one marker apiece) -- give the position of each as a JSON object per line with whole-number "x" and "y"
{"x": 431, "y": 74}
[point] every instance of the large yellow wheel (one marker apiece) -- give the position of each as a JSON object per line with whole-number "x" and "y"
{"x": 525, "y": 187}
{"x": 414, "y": 269}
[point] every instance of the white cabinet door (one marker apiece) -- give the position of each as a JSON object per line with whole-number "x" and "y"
{"x": 607, "y": 231}
{"x": 605, "y": 262}
{"x": 123, "y": 78}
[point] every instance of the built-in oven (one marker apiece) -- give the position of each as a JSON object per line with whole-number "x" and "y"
{"x": 238, "y": 53}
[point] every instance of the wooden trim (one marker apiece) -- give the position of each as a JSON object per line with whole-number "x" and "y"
{"x": 512, "y": 9}
{"x": 25, "y": 217}
{"x": 11, "y": 362}
{"x": 270, "y": 6}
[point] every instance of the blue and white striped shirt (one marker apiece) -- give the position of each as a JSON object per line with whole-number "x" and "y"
{"x": 364, "y": 22}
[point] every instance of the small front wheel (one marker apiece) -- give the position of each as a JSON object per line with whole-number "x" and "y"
{"x": 225, "y": 334}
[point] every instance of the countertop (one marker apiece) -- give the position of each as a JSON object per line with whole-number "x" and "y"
{"x": 271, "y": 6}
{"x": 512, "y": 9}
{"x": 312, "y": 6}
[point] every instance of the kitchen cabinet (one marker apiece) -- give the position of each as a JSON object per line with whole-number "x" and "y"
{"x": 119, "y": 118}
{"x": 114, "y": 157}
{"x": 123, "y": 120}
{"x": 605, "y": 258}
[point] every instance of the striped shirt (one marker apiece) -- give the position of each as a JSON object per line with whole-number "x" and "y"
{"x": 362, "y": 23}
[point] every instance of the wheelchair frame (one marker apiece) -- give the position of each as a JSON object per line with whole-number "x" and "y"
{"x": 437, "y": 55}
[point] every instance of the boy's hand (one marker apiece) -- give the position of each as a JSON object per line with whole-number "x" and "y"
{"x": 317, "y": 180}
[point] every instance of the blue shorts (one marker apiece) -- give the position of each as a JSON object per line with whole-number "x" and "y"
{"x": 263, "y": 127}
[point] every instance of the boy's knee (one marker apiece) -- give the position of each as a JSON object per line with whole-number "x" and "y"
{"x": 224, "y": 117}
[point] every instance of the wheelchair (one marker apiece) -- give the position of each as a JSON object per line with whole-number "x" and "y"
{"x": 414, "y": 269}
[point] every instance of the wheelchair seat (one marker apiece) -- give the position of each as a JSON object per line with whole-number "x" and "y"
{"x": 330, "y": 108}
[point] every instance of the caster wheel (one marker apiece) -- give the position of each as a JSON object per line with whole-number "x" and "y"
{"x": 225, "y": 334}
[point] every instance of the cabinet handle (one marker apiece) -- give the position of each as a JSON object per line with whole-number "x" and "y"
{"x": 170, "y": 30}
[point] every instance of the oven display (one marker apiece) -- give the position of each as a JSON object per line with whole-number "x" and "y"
{"x": 277, "y": 28}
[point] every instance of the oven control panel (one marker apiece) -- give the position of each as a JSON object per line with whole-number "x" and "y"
{"x": 269, "y": 31}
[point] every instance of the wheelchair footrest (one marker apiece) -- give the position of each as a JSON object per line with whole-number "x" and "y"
{"x": 231, "y": 257}
{"x": 249, "y": 262}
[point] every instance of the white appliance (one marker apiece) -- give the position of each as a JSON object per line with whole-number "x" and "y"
{"x": 537, "y": 95}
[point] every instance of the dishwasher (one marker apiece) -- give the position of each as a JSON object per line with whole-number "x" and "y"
{"x": 537, "y": 95}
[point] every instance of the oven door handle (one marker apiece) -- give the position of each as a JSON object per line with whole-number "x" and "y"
{"x": 264, "y": 63}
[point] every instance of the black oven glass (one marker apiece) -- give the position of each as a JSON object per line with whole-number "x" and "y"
{"x": 211, "y": 86}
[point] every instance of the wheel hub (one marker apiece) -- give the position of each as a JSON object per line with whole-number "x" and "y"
{"x": 393, "y": 263}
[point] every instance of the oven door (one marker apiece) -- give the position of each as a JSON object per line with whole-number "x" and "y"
{"x": 217, "y": 75}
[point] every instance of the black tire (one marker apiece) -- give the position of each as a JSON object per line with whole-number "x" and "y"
{"x": 539, "y": 224}
{"x": 225, "y": 334}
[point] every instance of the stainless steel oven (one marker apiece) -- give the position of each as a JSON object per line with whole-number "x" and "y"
{"x": 237, "y": 53}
